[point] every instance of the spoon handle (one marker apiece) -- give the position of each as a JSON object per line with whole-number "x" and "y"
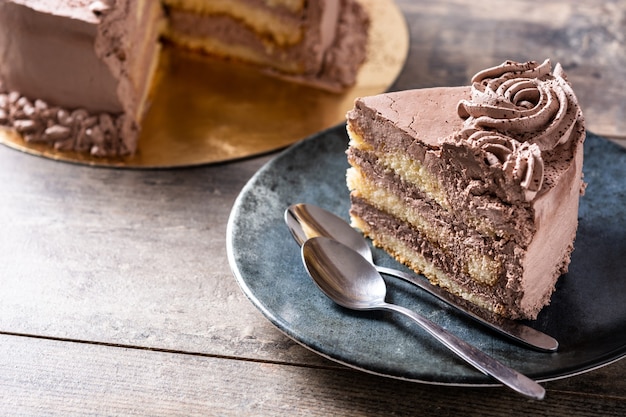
{"x": 475, "y": 357}
{"x": 516, "y": 331}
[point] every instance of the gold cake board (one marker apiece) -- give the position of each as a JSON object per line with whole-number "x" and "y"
{"x": 207, "y": 111}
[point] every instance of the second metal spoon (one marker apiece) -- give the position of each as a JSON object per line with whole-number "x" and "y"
{"x": 352, "y": 282}
{"x": 306, "y": 221}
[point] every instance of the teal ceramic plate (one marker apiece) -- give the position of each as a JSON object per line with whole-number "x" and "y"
{"x": 587, "y": 314}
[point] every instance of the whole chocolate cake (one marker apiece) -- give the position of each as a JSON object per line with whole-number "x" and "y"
{"x": 475, "y": 187}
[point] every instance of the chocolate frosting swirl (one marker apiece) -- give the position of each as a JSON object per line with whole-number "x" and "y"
{"x": 524, "y": 101}
{"x": 520, "y": 162}
{"x": 516, "y": 112}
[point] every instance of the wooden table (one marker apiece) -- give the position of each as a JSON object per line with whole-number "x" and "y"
{"x": 116, "y": 296}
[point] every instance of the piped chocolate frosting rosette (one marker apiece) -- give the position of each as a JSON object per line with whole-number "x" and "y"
{"x": 524, "y": 101}
{"x": 520, "y": 162}
{"x": 516, "y": 112}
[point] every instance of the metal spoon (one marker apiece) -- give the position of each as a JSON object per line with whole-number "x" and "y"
{"x": 352, "y": 282}
{"x": 306, "y": 221}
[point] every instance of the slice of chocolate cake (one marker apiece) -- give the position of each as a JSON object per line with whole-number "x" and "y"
{"x": 475, "y": 187}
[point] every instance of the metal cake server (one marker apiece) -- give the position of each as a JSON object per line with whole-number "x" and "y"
{"x": 306, "y": 221}
{"x": 352, "y": 282}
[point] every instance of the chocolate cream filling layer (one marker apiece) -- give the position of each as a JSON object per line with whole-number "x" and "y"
{"x": 473, "y": 276}
{"x": 225, "y": 36}
{"x": 324, "y": 47}
{"x": 279, "y": 24}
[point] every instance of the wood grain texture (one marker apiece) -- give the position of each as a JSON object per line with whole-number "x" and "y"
{"x": 88, "y": 379}
{"x": 116, "y": 295}
{"x": 127, "y": 256}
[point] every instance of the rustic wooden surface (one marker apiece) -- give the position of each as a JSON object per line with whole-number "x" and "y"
{"x": 116, "y": 297}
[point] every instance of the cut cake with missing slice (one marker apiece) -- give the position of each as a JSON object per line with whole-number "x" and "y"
{"x": 79, "y": 75}
{"x": 475, "y": 187}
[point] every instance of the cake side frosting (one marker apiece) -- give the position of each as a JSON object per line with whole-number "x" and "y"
{"x": 56, "y": 62}
{"x": 488, "y": 214}
{"x": 75, "y": 73}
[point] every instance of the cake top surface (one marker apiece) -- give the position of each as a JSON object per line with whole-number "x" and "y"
{"x": 428, "y": 114}
{"x": 86, "y": 10}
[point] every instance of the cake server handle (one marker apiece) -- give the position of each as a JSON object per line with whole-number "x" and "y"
{"x": 510, "y": 328}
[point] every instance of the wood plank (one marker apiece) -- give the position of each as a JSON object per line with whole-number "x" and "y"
{"x": 127, "y": 256}
{"x": 451, "y": 40}
{"x": 43, "y": 377}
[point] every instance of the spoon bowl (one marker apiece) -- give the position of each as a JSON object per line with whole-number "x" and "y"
{"x": 306, "y": 221}
{"x": 352, "y": 282}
